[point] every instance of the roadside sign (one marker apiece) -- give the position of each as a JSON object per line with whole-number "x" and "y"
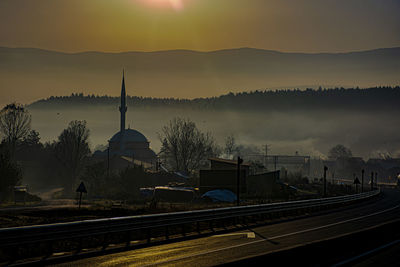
{"x": 81, "y": 188}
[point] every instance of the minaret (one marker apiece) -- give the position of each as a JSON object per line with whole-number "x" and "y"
{"x": 123, "y": 107}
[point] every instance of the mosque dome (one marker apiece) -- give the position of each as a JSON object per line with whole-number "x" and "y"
{"x": 129, "y": 135}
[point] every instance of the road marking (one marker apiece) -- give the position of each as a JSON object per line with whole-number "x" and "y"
{"x": 249, "y": 234}
{"x": 333, "y": 224}
{"x": 366, "y": 253}
{"x": 274, "y": 237}
{"x": 59, "y": 253}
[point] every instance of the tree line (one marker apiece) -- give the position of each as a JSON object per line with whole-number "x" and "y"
{"x": 64, "y": 157}
{"x": 322, "y": 98}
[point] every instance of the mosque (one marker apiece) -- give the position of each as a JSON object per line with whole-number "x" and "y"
{"x": 129, "y": 143}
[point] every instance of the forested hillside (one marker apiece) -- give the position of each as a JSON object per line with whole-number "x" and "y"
{"x": 309, "y": 99}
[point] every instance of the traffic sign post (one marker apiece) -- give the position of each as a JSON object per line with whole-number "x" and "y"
{"x": 81, "y": 189}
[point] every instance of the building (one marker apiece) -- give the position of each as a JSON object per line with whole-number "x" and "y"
{"x": 223, "y": 175}
{"x": 227, "y": 164}
{"x": 129, "y": 143}
{"x": 295, "y": 163}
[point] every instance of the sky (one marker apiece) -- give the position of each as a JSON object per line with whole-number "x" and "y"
{"x": 148, "y": 25}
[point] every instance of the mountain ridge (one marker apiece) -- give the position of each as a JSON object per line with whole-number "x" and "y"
{"x": 198, "y": 51}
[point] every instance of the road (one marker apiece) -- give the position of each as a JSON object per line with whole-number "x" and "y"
{"x": 225, "y": 248}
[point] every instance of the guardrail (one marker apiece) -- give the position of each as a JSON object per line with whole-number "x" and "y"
{"x": 145, "y": 227}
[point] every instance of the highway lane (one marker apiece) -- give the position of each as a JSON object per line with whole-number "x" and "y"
{"x": 219, "y": 249}
{"x": 389, "y": 256}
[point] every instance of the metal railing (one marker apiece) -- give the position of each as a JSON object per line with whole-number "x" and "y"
{"x": 16, "y": 237}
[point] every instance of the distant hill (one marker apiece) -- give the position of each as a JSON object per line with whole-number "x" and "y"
{"x": 377, "y": 98}
{"x": 32, "y": 73}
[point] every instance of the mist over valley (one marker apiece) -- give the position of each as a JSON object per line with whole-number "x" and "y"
{"x": 309, "y": 122}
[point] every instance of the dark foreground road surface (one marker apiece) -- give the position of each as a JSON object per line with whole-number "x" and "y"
{"x": 236, "y": 246}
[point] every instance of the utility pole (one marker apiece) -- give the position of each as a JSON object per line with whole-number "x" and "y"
{"x": 239, "y": 161}
{"x": 275, "y": 159}
{"x": 362, "y": 180}
{"x": 266, "y": 157}
{"x": 376, "y": 179}
{"x": 325, "y": 169}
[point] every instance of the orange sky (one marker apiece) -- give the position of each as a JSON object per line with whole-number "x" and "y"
{"x": 147, "y": 25}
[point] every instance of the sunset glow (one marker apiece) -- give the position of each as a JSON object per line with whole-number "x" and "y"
{"x": 174, "y": 4}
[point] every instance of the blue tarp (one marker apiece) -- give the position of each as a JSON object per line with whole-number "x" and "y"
{"x": 220, "y": 195}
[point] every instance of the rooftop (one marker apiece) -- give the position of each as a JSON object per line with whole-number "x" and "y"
{"x": 228, "y": 161}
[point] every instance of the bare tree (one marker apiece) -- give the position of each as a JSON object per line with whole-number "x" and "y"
{"x": 339, "y": 151}
{"x": 15, "y": 124}
{"x": 230, "y": 145}
{"x": 72, "y": 149}
{"x": 184, "y": 146}
{"x": 32, "y": 138}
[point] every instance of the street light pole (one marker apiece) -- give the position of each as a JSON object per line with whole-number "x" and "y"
{"x": 372, "y": 181}
{"x": 239, "y": 161}
{"x": 108, "y": 160}
{"x": 362, "y": 180}
{"x": 325, "y": 169}
{"x": 266, "y": 158}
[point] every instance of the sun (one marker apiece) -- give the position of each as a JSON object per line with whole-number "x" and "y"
{"x": 174, "y": 4}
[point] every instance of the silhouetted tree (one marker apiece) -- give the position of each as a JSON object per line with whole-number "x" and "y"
{"x": 15, "y": 124}
{"x": 32, "y": 139}
{"x": 184, "y": 146}
{"x": 72, "y": 149}
{"x": 95, "y": 177}
{"x": 10, "y": 174}
{"x": 339, "y": 151}
{"x": 29, "y": 148}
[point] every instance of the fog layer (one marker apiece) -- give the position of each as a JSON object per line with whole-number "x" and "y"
{"x": 309, "y": 132}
